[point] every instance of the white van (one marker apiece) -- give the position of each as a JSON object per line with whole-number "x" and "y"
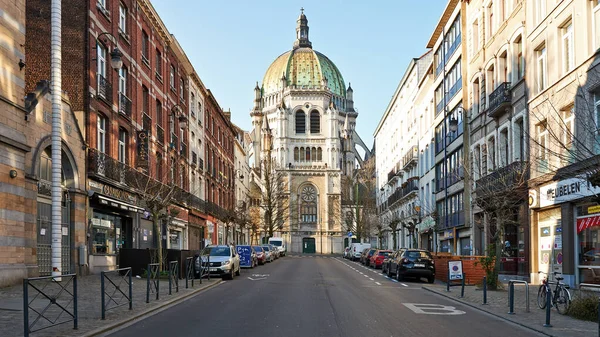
{"x": 278, "y": 242}
{"x": 356, "y": 249}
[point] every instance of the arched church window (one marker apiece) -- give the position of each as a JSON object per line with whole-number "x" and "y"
{"x": 308, "y": 204}
{"x": 319, "y": 154}
{"x": 308, "y": 154}
{"x": 300, "y": 122}
{"x": 296, "y": 154}
{"x": 315, "y": 122}
{"x": 302, "y": 154}
{"x": 313, "y": 154}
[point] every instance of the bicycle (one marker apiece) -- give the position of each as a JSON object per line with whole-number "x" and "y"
{"x": 561, "y": 299}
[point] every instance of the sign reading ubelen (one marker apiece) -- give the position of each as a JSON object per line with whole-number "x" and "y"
{"x": 566, "y": 190}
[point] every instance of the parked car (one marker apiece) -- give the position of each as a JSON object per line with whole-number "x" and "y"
{"x": 223, "y": 259}
{"x": 376, "y": 259}
{"x": 261, "y": 256}
{"x": 393, "y": 262}
{"x": 279, "y": 244}
{"x": 365, "y": 258}
{"x": 385, "y": 265}
{"x": 356, "y": 249}
{"x": 268, "y": 253}
{"x": 362, "y": 255}
{"x": 346, "y": 253}
{"x": 415, "y": 263}
{"x": 274, "y": 251}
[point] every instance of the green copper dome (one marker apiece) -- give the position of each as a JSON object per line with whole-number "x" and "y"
{"x": 303, "y": 66}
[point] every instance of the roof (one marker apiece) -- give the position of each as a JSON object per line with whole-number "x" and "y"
{"x": 442, "y": 22}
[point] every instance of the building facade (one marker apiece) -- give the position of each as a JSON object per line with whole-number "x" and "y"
{"x": 303, "y": 124}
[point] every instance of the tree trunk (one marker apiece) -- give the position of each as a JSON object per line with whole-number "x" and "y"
{"x": 395, "y": 239}
{"x": 158, "y": 235}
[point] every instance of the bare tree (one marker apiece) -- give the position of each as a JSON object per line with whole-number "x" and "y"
{"x": 359, "y": 201}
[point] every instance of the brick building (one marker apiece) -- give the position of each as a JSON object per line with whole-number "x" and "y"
{"x": 135, "y": 121}
{"x": 25, "y": 158}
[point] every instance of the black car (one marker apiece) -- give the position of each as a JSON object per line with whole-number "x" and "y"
{"x": 415, "y": 263}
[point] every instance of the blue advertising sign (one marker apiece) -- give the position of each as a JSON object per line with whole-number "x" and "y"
{"x": 245, "y": 253}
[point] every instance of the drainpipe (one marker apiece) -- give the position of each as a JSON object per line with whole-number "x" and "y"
{"x": 55, "y": 89}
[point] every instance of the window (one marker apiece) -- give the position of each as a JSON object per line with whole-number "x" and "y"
{"x": 542, "y": 140}
{"x": 123, "y": 80}
{"x": 520, "y": 62}
{"x": 484, "y": 158}
{"x": 475, "y": 98}
{"x": 519, "y": 143}
{"x": 568, "y": 47}
{"x": 492, "y": 153}
{"x": 503, "y": 67}
{"x": 476, "y": 162}
{"x": 192, "y": 104}
{"x": 159, "y": 64}
{"x": 541, "y": 70}
{"x": 159, "y": 166}
{"x": 540, "y": 10}
{"x": 101, "y": 62}
{"x": 503, "y": 6}
{"x": 106, "y": 234}
{"x": 172, "y": 171}
{"x": 490, "y": 79}
{"x": 475, "y": 37}
{"x": 503, "y": 148}
{"x": 315, "y": 122}
{"x": 145, "y": 100}
{"x": 172, "y": 77}
{"x": 490, "y": 16}
{"x": 122, "y": 146}
{"x": 596, "y": 23}
{"x": 300, "y": 122}
{"x": 439, "y": 98}
{"x": 101, "y": 134}
{"x": 569, "y": 134}
{"x": 308, "y": 205}
{"x": 159, "y": 111}
{"x": 145, "y": 47}
{"x": 122, "y": 18}
{"x": 102, "y": 3}
{"x": 181, "y": 89}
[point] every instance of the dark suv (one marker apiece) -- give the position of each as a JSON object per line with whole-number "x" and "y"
{"x": 415, "y": 263}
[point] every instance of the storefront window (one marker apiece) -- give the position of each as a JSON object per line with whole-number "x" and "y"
{"x": 446, "y": 246}
{"x": 106, "y": 234}
{"x": 465, "y": 246}
{"x": 175, "y": 239}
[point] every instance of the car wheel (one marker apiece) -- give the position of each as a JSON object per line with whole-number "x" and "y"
{"x": 431, "y": 279}
{"x": 389, "y": 271}
{"x": 399, "y": 277}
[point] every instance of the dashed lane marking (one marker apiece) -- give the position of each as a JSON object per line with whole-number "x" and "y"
{"x": 371, "y": 279}
{"x": 377, "y": 283}
{"x": 404, "y": 284}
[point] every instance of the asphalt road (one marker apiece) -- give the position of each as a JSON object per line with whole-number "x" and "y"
{"x": 319, "y": 296}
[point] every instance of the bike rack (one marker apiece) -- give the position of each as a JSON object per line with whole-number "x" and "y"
{"x": 511, "y": 295}
{"x": 116, "y": 294}
{"x": 152, "y": 280}
{"x": 174, "y": 276}
{"x": 50, "y": 294}
{"x": 189, "y": 271}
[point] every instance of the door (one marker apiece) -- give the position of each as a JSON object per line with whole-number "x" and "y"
{"x": 44, "y": 237}
{"x": 308, "y": 245}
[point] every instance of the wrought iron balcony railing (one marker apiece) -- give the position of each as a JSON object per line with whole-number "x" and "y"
{"x": 410, "y": 158}
{"x": 511, "y": 177}
{"x": 160, "y": 135}
{"x": 124, "y": 105}
{"x": 500, "y": 99}
{"x": 104, "y": 88}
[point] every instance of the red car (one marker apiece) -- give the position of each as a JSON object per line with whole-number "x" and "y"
{"x": 376, "y": 259}
{"x": 261, "y": 257}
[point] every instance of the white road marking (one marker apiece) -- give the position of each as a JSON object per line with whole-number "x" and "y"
{"x": 394, "y": 280}
{"x": 378, "y": 283}
{"x": 371, "y": 279}
{"x": 366, "y": 275}
{"x": 404, "y": 284}
{"x": 433, "y": 309}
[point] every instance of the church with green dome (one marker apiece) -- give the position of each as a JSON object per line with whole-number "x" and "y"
{"x": 303, "y": 133}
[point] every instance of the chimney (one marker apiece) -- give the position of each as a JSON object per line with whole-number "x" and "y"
{"x": 227, "y": 114}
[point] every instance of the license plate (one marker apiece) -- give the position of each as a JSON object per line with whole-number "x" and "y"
{"x": 419, "y": 265}
{"x": 213, "y": 269}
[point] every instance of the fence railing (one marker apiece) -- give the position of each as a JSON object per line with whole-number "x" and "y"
{"x": 152, "y": 280}
{"x": 54, "y": 302}
{"x": 189, "y": 271}
{"x": 173, "y": 276}
{"x": 117, "y": 292}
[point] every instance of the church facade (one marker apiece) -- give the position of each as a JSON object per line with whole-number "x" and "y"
{"x": 303, "y": 123}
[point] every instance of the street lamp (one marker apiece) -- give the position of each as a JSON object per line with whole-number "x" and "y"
{"x": 453, "y": 127}
{"x": 116, "y": 57}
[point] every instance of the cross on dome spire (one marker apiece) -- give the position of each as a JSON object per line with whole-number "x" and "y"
{"x": 302, "y": 40}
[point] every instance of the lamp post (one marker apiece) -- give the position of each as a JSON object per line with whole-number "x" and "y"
{"x": 453, "y": 126}
{"x": 116, "y": 61}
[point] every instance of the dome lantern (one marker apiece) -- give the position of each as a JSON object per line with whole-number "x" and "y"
{"x": 302, "y": 40}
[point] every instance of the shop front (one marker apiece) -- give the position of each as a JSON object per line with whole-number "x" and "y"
{"x": 114, "y": 216}
{"x": 177, "y": 234}
{"x": 196, "y": 231}
{"x": 565, "y": 230}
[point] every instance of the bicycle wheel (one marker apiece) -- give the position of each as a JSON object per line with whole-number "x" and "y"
{"x": 541, "y": 297}
{"x": 563, "y": 301}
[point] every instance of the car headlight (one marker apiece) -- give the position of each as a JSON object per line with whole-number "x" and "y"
{"x": 226, "y": 262}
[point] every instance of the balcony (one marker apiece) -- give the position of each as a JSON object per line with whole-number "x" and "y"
{"x": 160, "y": 135}
{"x": 104, "y": 89}
{"x": 511, "y": 178}
{"x": 101, "y": 164}
{"x": 500, "y": 100}
{"x": 410, "y": 158}
{"x": 124, "y": 106}
{"x": 410, "y": 186}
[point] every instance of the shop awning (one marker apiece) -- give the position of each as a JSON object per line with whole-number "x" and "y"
{"x": 588, "y": 222}
{"x": 119, "y": 204}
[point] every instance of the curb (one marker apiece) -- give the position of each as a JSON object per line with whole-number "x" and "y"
{"x": 488, "y": 312}
{"x": 154, "y": 310}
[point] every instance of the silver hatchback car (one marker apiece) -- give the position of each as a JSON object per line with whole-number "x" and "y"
{"x": 221, "y": 260}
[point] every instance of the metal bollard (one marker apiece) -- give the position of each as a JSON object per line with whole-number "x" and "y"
{"x": 599, "y": 317}
{"x": 102, "y": 296}
{"x": 462, "y": 288}
{"x": 548, "y": 307}
{"x": 485, "y": 290}
{"x": 511, "y": 298}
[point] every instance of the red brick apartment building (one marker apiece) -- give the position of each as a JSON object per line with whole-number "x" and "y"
{"x": 133, "y": 119}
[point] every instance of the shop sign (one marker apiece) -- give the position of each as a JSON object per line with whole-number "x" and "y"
{"x": 113, "y": 192}
{"x": 594, "y": 209}
{"x": 142, "y": 149}
{"x": 211, "y": 226}
{"x": 588, "y": 222}
{"x": 566, "y": 190}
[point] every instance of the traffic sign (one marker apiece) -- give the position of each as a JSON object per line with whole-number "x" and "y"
{"x": 350, "y": 234}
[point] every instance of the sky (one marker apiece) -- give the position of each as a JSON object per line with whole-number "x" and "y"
{"x": 232, "y": 43}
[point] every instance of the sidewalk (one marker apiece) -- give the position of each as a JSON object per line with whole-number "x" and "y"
{"x": 562, "y": 326}
{"x": 89, "y": 306}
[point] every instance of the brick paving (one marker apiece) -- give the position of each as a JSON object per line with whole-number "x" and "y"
{"x": 89, "y": 306}
{"x": 562, "y": 325}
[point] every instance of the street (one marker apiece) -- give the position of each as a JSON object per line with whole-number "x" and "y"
{"x": 319, "y": 296}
